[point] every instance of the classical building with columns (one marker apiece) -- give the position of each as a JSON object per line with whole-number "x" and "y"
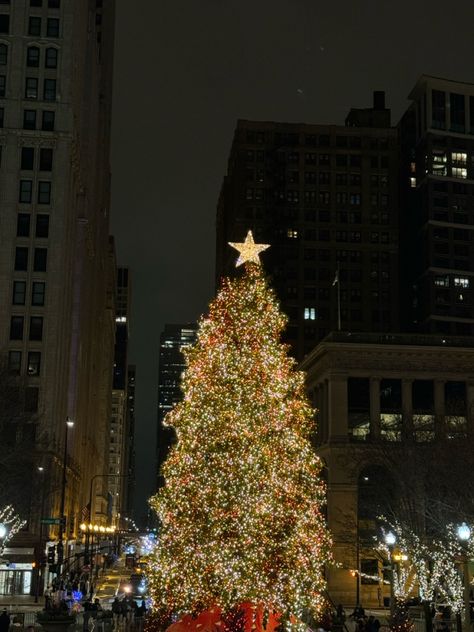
{"x": 380, "y": 395}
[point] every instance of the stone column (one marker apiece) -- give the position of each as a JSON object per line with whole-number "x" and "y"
{"x": 407, "y": 410}
{"x": 375, "y": 408}
{"x": 439, "y": 409}
{"x": 337, "y": 408}
{"x": 470, "y": 407}
{"x": 342, "y": 522}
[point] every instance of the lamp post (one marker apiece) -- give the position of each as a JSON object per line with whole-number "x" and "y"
{"x": 464, "y": 534}
{"x": 390, "y": 540}
{"x": 62, "y": 518}
{"x": 39, "y": 574}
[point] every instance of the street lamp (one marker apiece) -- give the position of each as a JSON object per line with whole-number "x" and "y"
{"x": 464, "y": 533}
{"x": 62, "y": 517}
{"x": 390, "y": 540}
{"x": 39, "y": 571}
{"x": 3, "y": 536}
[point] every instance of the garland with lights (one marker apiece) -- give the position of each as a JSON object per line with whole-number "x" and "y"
{"x": 10, "y": 524}
{"x": 433, "y": 566}
{"x": 241, "y": 522}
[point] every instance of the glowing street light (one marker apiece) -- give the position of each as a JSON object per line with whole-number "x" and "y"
{"x": 464, "y": 534}
{"x": 3, "y": 531}
{"x": 390, "y": 538}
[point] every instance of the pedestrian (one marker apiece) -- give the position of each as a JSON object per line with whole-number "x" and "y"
{"x": 117, "y": 612}
{"x": 125, "y": 607}
{"x": 97, "y": 606}
{"x": 142, "y": 609}
{"x": 87, "y": 614}
{"x": 48, "y": 602}
{"x": 4, "y": 621}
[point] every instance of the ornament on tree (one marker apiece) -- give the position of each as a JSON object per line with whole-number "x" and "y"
{"x": 240, "y": 513}
{"x": 400, "y": 620}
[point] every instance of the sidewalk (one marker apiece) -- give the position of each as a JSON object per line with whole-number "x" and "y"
{"x": 20, "y": 603}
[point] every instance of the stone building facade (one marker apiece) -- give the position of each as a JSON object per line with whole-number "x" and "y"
{"x": 377, "y": 395}
{"x": 57, "y": 267}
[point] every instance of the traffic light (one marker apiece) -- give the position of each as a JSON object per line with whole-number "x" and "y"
{"x": 51, "y": 554}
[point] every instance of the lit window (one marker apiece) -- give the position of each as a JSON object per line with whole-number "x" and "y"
{"x": 459, "y": 157}
{"x": 461, "y": 282}
{"x": 441, "y": 281}
{"x": 310, "y": 313}
{"x": 292, "y": 234}
{"x": 439, "y": 160}
{"x": 413, "y": 183}
{"x": 459, "y": 172}
{"x": 34, "y": 362}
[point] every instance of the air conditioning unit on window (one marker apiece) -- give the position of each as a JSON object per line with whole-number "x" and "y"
{"x": 31, "y": 93}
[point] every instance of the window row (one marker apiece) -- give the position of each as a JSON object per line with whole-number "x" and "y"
{"x": 35, "y": 330}
{"x": 354, "y": 295}
{"x": 38, "y": 291}
{"x": 33, "y": 362}
{"x": 40, "y": 258}
{"x": 31, "y": 120}
{"x": 32, "y": 91}
{"x": 354, "y": 276}
{"x": 32, "y": 88}
{"x": 23, "y": 225}
{"x": 26, "y": 192}
{"x": 33, "y": 57}
{"x": 314, "y": 140}
{"x": 323, "y": 313}
{"x": 322, "y": 198}
{"x": 354, "y": 256}
{"x": 45, "y": 158}
{"x": 444, "y": 280}
{"x": 449, "y": 111}
{"x": 36, "y": 28}
{"x": 52, "y": 4}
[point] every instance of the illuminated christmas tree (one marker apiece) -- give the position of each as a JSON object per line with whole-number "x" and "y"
{"x": 240, "y": 513}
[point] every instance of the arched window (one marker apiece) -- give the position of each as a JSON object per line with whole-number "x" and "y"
{"x": 377, "y": 495}
{"x": 33, "y": 56}
{"x": 51, "y": 59}
{"x": 3, "y": 54}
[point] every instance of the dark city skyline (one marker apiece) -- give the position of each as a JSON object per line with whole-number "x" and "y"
{"x": 184, "y": 73}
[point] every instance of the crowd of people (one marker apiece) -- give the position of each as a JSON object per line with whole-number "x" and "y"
{"x": 357, "y": 621}
{"x": 77, "y": 594}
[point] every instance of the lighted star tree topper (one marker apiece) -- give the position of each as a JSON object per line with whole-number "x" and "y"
{"x": 240, "y": 512}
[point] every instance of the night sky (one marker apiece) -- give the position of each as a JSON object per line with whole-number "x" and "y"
{"x": 185, "y": 71}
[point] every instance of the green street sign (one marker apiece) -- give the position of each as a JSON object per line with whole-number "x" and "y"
{"x": 51, "y": 520}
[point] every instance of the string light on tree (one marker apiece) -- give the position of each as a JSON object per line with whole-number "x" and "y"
{"x": 241, "y": 519}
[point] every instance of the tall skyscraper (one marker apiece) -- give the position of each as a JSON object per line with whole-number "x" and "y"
{"x": 326, "y": 198}
{"x": 117, "y": 483}
{"x": 437, "y": 137}
{"x": 56, "y": 263}
{"x": 173, "y": 339}
{"x": 130, "y": 442}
